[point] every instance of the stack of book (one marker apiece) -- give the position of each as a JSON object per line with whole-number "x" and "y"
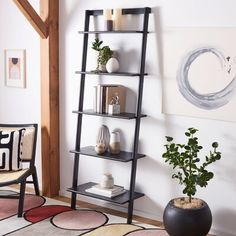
{"x": 106, "y": 192}
{"x": 104, "y": 94}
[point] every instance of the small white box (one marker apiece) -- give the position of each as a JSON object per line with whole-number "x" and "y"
{"x": 114, "y": 109}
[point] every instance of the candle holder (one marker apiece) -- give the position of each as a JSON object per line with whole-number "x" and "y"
{"x": 108, "y": 22}
{"x": 117, "y": 18}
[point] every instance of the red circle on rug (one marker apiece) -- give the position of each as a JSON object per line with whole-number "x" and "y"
{"x": 148, "y": 232}
{"x": 41, "y": 213}
{"x": 79, "y": 220}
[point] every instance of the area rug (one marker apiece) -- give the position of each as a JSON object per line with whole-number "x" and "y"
{"x": 43, "y": 216}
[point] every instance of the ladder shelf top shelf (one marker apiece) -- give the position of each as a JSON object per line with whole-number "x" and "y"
{"x": 112, "y": 32}
{"x": 121, "y": 157}
{"x": 125, "y": 11}
{"x": 121, "y": 199}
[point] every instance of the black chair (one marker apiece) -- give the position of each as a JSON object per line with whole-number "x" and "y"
{"x": 28, "y": 156}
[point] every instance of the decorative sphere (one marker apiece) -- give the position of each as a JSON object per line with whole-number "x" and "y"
{"x": 112, "y": 65}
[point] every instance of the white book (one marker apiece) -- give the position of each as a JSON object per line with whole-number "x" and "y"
{"x": 95, "y": 99}
{"x": 114, "y": 189}
{"x": 99, "y": 98}
{"x": 95, "y": 191}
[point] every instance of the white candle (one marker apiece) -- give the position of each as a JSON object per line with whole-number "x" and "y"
{"x": 107, "y": 14}
{"x": 117, "y": 17}
{"x": 108, "y": 23}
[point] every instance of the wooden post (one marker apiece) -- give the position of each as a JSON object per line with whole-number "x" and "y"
{"x": 50, "y": 99}
{"x": 47, "y": 26}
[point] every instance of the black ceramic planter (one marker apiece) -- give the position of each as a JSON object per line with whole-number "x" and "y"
{"x": 187, "y": 222}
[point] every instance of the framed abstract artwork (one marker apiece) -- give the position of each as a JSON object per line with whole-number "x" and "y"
{"x": 199, "y": 72}
{"x": 15, "y": 68}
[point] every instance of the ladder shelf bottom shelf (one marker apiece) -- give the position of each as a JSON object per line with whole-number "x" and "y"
{"x": 122, "y": 156}
{"x": 121, "y": 199}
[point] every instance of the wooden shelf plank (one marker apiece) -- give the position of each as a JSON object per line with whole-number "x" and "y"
{"x": 124, "y": 115}
{"x": 110, "y": 74}
{"x": 121, "y": 199}
{"x": 122, "y": 156}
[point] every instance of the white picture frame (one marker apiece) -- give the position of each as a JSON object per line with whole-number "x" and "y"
{"x": 15, "y": 68}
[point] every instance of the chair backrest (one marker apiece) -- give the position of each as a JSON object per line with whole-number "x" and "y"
{"x": 29, "y": 140}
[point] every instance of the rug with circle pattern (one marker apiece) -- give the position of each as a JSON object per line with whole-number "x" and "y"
{"x": 50, "y": 217}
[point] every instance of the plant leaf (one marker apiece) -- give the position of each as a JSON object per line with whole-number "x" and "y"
{"x": 215, "y": 145}
{"x": 169, "y": 139}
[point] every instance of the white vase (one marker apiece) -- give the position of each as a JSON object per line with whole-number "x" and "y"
{"x": 102, "y": 68}
{"x": 103, "y": 137}
{"x": 99, "y": 67}
{"x": 107, "y": 181}
{"x": 112, "y": 65}
{"x": 114, "y": 146}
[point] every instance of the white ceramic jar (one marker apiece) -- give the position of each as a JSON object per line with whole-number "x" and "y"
{"x": 107, "y": 181}
{"x": 114, "y": 146}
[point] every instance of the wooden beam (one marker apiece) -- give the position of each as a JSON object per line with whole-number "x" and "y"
{"x": 35, "y": 20}
{"x": 50, "y": 99}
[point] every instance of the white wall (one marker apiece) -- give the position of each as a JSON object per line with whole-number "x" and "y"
{"x": 153, "y": 175}
{"x": 20, "y": 105}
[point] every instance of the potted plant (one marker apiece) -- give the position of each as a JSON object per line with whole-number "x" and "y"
{"x": 188, "y": 216}
{"x": 104, "y": 54}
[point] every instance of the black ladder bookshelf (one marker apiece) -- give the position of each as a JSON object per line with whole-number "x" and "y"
{"x": 130, "y": 195}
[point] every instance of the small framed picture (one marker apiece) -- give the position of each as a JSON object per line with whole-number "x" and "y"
{"x": 15, "y": 68}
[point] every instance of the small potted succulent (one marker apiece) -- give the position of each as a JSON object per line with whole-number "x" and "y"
{"x": 104, "y": 54}
{"x": 187, "y": 216}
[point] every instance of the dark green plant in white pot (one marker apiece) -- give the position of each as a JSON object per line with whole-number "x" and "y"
{"x": 104, "y": 54}
{"x": 187, "y": 216}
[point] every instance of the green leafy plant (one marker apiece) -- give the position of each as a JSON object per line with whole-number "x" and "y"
{"x": 184, "y": 157}
{"x": 96, "y": 45}
{"x": 104, "y": 53}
